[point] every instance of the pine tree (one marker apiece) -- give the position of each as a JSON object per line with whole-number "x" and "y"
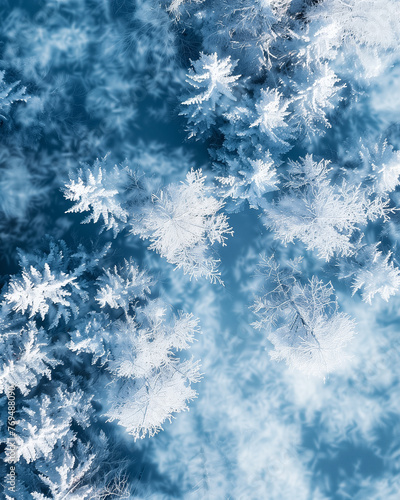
{"x": 182, "y": 222}
{"x": 325, "y": 217}
{"x": 303, "y": 321}
{"x": 213, "y": 79}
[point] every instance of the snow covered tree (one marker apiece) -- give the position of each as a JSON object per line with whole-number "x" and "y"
{"x": 10, "y": 93}
{"x": 122, "y": 285}
{"x": 147, "y": 343}
{"x": 314, "y": 98}
{"x": 25, "y": 356}
{"x": 91, "y": 335}
{"x": 152, "y": 383}
{"x": 245, "y": 29}
{"x": 148, "y": 381}
{"x": 372, "y": 273}
{"x": 382, "y": 163}
{"x": 48, "y": 287}
{"x": 143, "y": 406}
{"x": 322, "y": 215}
{"x": 360, "y": 38}
{"x": 256, "y": 134}
{"x": 65, "y": 473}
{"x": 258, "y": 125}
{"x": 250, "y": 184}
{"x": 364, "y": 22}
{"x": 182, "y": 221}
{"x": 103, "y": 191}
{"x": 44, "y": 421}
{"x": 271, "y": 115}
{"x": 302, "y": 321}
{"x": 37, "y": 291}
{"x": 213, "y": 78}
{"x": 82, "y": 471}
